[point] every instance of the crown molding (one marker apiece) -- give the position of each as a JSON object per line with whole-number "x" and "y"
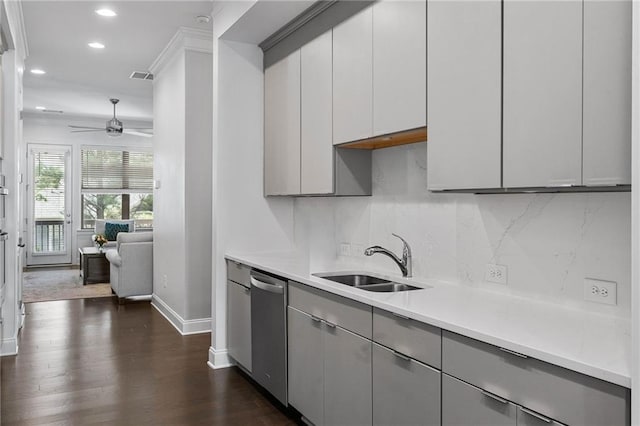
{"x": 15, "y": 21}
{"x": 184, "y": 39}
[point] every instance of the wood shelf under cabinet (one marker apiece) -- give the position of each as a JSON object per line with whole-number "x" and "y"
{"x": 385, "y": 141}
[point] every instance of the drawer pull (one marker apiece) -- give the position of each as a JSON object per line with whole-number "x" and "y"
{"x": 400, "y": 316}
{"x": 246, "y": 289}
{"x": 536, "y": 415}
{"x": 330, "y": 324}
{"x": 315, "y": 318}
{"x": 518, "y": 354}
{"x": 401, "y": 356}
{"x": 494, "y": 397}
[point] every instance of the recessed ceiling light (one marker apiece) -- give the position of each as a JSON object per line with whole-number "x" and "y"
{"x": 41, "y": 108}
{"x": 37, "y": 71}
{"x": 96, "y": 45}
{"x": 106, "y": 12}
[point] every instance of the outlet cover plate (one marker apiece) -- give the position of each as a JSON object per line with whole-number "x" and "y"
{"x": 496, "y": 273}
{"x": 601, "y": 291}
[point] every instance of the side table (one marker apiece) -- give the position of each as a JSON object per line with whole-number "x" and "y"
{"x": 94, "y": 266}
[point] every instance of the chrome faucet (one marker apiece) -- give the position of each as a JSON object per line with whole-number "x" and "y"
{"x": 404, "y": 264}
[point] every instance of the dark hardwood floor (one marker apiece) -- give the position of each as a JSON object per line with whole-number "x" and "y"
{"x": 92, "y": 361}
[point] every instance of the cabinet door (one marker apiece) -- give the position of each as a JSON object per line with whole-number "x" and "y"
{"x": 306, "y": 365}
{"x": 353, "y": 78}
{"x": 282, "y": 127}
{"x": 405, "y": 392}
{"x": 399, "y": 65}
{"x": 347, "y": 378}
{"x": 527, "y": 417}
{"x": 466, "y": 405}
{"x": 464, "y": 84}
{"x": 542, "y": 139}
{"x": 239, "y": 325}
{"x": 607, "y": 92}
{"x": 316, "y": 137}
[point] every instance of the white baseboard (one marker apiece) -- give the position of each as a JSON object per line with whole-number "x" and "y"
{"x": 184, "y": 327}
{"x": 9, "y": 347}
{"x": 219, "y": 358}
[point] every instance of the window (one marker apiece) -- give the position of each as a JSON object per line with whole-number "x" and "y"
{"x": 117, "y": 184}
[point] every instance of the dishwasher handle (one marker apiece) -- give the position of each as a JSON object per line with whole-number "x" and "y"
{"x": 272, "y": 288}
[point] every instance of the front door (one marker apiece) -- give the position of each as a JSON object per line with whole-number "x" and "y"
{"x": 49, "y": 205}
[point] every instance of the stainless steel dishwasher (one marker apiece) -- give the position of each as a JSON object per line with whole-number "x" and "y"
{"x": 269, "y": 333}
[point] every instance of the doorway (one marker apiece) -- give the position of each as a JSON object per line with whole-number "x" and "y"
{"x": 49, "y": 204}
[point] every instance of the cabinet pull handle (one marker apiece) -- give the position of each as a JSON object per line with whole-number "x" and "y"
{"x": 518, "y": 354}
{"x": 536, "y": 415}
{"x": 246, "y": 289}
{"x": 329, "y": 324}
{"x": 400, "y": 316}
{"x": 494, "y": 397}
{"x": 401, "y": 356}
{"x": 315, "y": 318}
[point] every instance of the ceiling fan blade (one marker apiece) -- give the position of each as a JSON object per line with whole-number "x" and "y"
{"x": 88, "y": 130}
{"x": 139, "y": 128}
{"x": 136, "y": 133}
{"x": 86, "y": 127}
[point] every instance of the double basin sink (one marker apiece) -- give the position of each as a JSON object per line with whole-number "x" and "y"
{"x": 368, "y": 282}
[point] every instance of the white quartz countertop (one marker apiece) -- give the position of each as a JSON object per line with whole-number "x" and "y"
{"x": 592, "y": 344}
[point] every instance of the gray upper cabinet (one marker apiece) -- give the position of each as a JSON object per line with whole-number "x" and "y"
{"x": 399, "y": 65}
{"x": 282, "y": 127}
{"x": 466, "y": 405}
{"x": 464, "y": 86}
{"x": 405, "y": 391}
{"x": 316, "y": 136}
{"x": 353, "y": 78}
{"x": 542, "y": 127}
{"x": 607, "y": 92}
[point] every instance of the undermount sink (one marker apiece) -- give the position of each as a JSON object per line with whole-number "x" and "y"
{"x": 368, "y": 282}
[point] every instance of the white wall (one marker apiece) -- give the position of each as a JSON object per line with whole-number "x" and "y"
{"x": 182, "y": 165}
{"x": 549, "y": 242}
{"x": 47, "y": 129}
{"x": 243, "y": 219}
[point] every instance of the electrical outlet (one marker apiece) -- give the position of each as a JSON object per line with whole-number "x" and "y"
{"x": 345, "y": 249}
{"x": 164, "y": 281}
{"x": 600, "y": 291}
{"x": 496, "y": 273}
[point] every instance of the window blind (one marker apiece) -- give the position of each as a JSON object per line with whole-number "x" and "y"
{"x": 122, "y": 171}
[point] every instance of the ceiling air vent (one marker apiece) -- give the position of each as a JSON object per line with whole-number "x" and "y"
{"x": 141, "y": 75}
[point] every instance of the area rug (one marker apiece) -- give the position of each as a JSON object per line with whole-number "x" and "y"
{"x": 59, "y": 284}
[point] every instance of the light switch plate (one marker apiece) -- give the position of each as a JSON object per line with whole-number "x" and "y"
{"x": 600, "y": 291}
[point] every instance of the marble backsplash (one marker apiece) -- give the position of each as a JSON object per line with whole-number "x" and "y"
{"x": 549, "y": 242}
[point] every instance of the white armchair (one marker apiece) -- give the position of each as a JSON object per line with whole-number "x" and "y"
{"x": 131, "y": 264}
{"x": 99, "y": 228}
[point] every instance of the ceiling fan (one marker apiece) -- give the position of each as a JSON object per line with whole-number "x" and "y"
{"x": 114, "y": 126}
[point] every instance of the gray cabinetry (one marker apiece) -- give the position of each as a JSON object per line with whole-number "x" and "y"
{"x": 542, "y": 139}
{"x": 607, "y": 92}
{"x": 466, "y": 405}
{"x": 239, "y": 313}
{"x": 306, "y": 365}
{"x": 464, "y": 86}
{"x": 527, "y": 417}
{"x": 405, "y": 392}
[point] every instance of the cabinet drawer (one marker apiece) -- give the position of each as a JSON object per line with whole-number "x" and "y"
{"x": 552, "y": 391}
{"x": 409, "y": 337}
{"x": 466, "y": 405}
{"x": 238, "y": 273}
{"x": 348, "y": 314}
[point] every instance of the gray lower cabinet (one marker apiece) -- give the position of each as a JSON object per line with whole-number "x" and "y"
{"x": 405, "y": 391}
{"x": 239, "y": 323}
{"x": 347, "y": 378}
{"x": 466, "y": 405}
{"x": 306, "y": 365}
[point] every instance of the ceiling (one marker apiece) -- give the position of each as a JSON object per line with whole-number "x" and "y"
{"x": 80, "y": 80}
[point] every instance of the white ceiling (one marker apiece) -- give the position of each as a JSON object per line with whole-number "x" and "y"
{"x": 80, "y": 80}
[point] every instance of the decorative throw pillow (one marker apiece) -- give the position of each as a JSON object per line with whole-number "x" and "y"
{"x": 111, "y": 230}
